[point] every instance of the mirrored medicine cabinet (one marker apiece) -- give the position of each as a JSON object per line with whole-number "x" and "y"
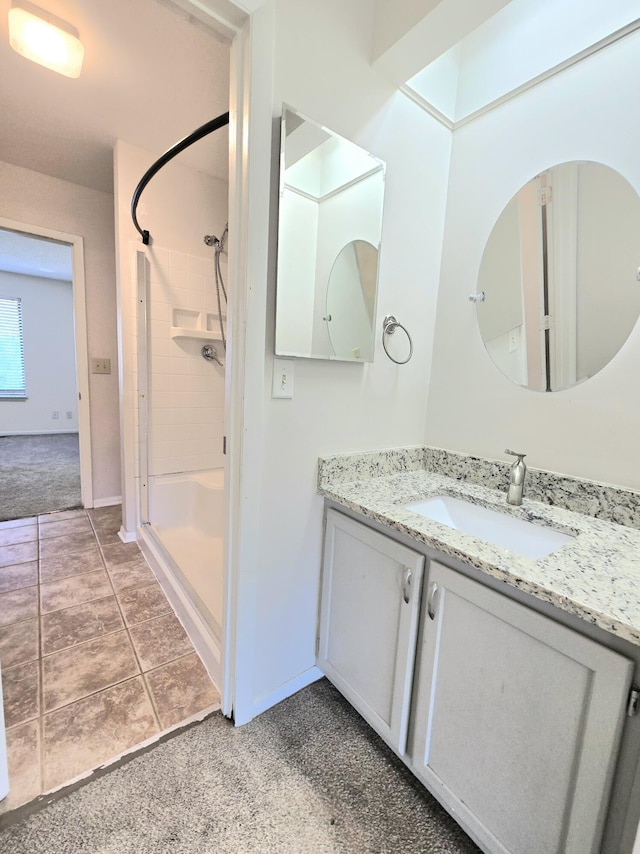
{"x": 559, "y": 275}
{"x": 329, "y": 228}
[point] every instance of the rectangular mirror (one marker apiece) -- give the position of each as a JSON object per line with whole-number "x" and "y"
{"x": 329, "y": 227}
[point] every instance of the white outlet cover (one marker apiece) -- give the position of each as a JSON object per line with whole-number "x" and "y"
{"x": 282, "y": 382}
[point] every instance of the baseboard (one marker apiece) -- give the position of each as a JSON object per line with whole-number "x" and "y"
{"x": 127, "y": 536}
{"x": 199, "y": 631}
{"x": 107, "y": 502}
{"x": 266, "y": 701}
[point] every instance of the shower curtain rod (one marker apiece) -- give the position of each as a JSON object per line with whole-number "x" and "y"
{"x": 169, "y": 154}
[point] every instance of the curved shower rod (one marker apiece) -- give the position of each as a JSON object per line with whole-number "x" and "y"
{"x": 169, "y": 154}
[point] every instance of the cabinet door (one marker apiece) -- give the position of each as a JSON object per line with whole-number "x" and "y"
{"x": 369, "y": 621}
{"x": 517, "y": 720}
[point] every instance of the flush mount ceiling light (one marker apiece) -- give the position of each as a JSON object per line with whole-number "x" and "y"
{"x": 45, "y": 39}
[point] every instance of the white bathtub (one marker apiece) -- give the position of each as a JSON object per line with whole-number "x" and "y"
{"x": 186, "y": 512}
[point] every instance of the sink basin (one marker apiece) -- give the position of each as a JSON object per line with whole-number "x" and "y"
{"x": 517, "y": 535}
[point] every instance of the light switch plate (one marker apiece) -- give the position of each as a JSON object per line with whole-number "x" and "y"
{"x": 282, "y": 385}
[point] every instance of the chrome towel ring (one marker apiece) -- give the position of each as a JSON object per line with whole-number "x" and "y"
{"x": 389, "y": 326}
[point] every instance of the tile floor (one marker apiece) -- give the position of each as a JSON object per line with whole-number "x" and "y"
{"x": 94, "y": 660}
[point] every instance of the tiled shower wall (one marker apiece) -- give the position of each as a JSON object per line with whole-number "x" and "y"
{"x": 186, "y": 392}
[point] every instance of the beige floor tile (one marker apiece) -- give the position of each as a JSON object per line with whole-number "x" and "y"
{"x": 143, "y": 603}
{"x": 19, "y": 643}
{"x": 72, "y": 626}
{"x": 125, "y": 576}
{"x": 180, "y": 689}
{"x": 160, "y": 640}
{"x": 68, "y": 543}
{"x": 81, "y": 670}
{"x": 107, "y": 520}
{"x": 117, "y": 553}
{"x": 91, "y": 731}
{"x": 23, "y": 754}
{"x": 67, "y": 592}
{"x": 18, "y": 605}
{"x": 108, "y": 512}
{"x": 18, "y": 523}
{"x": 108, "y": 538}
{"x": 21, "y": 693}
{"x": 64, "y": 527}
{"x": 18, "y": 575}
{"x": 18, "y": 553}
{"x": 58, "y": 515}
{"x": 74, "y": 563}
{"x": 22, "y": 534}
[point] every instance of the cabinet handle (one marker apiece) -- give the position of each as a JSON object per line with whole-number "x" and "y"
{"x": 406, "y": 585}
{"x": 430, "y": 602}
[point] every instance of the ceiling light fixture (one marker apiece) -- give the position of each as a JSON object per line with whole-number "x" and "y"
{"x": 45, "y": 39}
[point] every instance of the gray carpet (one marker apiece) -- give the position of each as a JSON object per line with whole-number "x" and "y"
{"x": 38, "y": 474}
{"x": 308, "y": 777}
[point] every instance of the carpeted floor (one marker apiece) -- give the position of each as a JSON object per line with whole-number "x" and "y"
{"x": 307, "y": 777}
{"x": 38, "y": 474}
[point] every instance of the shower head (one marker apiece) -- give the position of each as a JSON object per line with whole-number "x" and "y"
{"x": 218, "y": 242}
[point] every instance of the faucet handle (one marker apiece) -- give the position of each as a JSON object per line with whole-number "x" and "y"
{"x": 514, "y": 453}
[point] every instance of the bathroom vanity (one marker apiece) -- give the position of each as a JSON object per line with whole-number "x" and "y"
{"x": 505, "y": 682}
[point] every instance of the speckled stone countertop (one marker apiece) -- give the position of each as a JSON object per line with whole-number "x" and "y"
{"x": 595, "y": 576}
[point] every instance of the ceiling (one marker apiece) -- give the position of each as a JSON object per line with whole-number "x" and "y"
{"x": 35, "y": 256}
{"x": 151, "y": 75}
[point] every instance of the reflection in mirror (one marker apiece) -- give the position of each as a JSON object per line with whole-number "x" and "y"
{"x": 351, "y": 301}
{"x": 559, "y": 274}
{"x": 329, "y": 226}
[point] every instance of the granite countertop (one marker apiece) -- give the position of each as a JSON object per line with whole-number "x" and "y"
{"x": 595, "y": 576}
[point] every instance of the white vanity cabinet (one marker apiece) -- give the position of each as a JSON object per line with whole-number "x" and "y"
{"x": 517, "y": 719}
{"x": 511, "y": 719}
{"x": 369, "y": 623}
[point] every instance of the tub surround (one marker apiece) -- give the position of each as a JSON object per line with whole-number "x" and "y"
{"x": 595, "y": 577}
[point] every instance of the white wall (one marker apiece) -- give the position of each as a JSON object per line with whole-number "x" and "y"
{"x": 36, "y": 199}
{"x": 49, "y": 357}
{"x": 319, "y": 63}
{"x": 591, "y": 430}
{"x": 178, "y": 207}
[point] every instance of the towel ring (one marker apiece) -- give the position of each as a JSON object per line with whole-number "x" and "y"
{"x": 389, "y": 326}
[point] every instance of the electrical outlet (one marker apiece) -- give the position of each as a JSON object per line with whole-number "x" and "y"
{"x": 55, "y": 414}
{"x": 282, "y": 383}
{"x": 101, "y": 366}
{"x": 69, "y": 414}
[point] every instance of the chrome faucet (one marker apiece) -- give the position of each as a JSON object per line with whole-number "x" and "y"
{"x": 516, "y": 478}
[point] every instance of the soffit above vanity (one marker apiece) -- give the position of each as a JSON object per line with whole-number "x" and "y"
{"x": 458, "y": 59}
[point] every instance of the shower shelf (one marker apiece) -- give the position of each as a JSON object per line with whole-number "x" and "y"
{"x": 200, "y": 334}
{"x": 196, "y": 325}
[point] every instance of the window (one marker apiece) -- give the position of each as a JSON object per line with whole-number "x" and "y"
{"x": 12, "y": 382}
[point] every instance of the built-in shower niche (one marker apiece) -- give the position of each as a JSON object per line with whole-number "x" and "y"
{"x": 191, "y": 323}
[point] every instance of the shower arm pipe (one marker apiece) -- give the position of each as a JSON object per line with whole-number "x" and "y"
{"x": 199, "y": 133}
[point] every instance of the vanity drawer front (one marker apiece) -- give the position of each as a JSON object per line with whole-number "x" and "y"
{"x": 517, "y": 719}
{"x": 369, "y": 621}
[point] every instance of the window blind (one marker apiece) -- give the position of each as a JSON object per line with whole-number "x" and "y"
{"x": 12, "y": 380}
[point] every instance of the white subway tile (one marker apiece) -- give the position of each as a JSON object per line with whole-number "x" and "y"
{"x": 195, "y": 281}
{"x": 177, "y": 260}
{"x": 195, "y": 264}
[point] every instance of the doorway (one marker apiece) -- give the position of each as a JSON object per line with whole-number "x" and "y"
{"x": 44, "y": 409}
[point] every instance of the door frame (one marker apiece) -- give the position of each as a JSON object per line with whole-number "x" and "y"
{"x": 76, "y": 243}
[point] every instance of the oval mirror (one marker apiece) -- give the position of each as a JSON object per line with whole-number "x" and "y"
{"x": 559, "y": 276}
{"x": 351, "y": 301}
